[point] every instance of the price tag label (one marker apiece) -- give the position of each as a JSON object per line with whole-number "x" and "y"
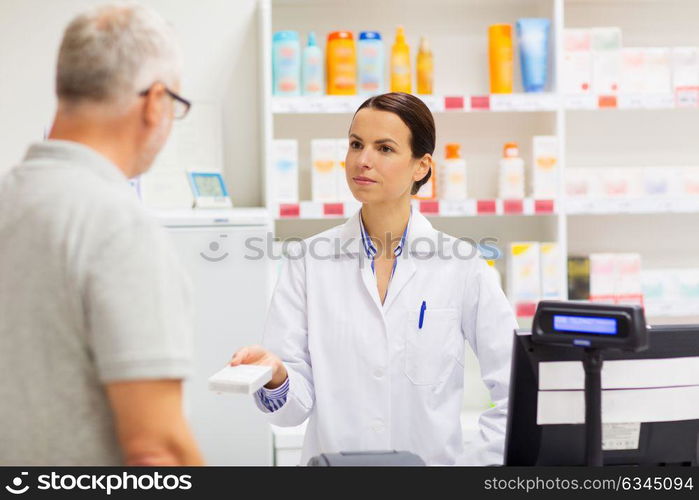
{"x": 547, "y": 102}
{"x": 659, "y": 101}
{"x": 337, "y": 104}
{"x": 311, "y": 210}
{"x": 513, "y": 207}
{"x": 631, "y": 101}
{"x": 607, "y": 102}
{"x": 454, "y": 103}
{"x": 434, "y": 103}
{"x": 486, "y": 207}
{"x": 581, "y": 101}
{"x": 686, "y": 205}
{"x": 544, "y": 206}
{"x": 601, "y": 206}
{"x": 647, "y": 205}
{"x": 580, "y": 206}
{"x": 687, "y": 97}
{"x": 333, "y": 209}
{"x": 429, "y": 207}
{"x": 289, "y": 210}
{"x": 314, "y": 105}
{"x": 501, "y": 102}
{"x": 280, "y": 105}
{"x": 665, "y": 205}
{"x": 454, "y": 208}
{"x": 480, "y": 103}
{"x": 623, "y": 206}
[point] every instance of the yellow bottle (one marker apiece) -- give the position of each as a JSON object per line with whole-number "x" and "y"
{"x": 500, "y": 53}
{"x": 400, "y": 64}
{"x": 425, "y": 68}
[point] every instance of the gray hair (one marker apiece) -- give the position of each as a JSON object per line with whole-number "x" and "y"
{"x": 112, "y": 52}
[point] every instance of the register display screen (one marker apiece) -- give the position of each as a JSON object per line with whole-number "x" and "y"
{"x": 585, "y": 324}
{"x": 209, "y": 185}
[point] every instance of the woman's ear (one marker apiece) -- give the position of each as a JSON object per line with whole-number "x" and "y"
{"x": 426, "y": 164}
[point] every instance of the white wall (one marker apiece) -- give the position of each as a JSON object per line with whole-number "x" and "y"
{"x": 220, "y": 43}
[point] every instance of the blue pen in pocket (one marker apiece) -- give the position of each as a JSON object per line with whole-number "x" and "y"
{"x": 423, "y": 308}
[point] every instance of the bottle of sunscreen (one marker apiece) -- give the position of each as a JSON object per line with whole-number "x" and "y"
{"x": 400, "y": 64}
{"x": 286, "y": 63}
{"x": 500, "y": 54}
{"x": 312, "y": 68}
{"x": 341, "y": 64}
{"x": 425, "y": 68}
{"x": 370, "y": 64}
{"x": 511, "y": 173}
{"x": 452, "y": 175}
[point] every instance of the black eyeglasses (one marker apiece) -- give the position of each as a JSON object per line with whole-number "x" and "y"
{"x": 182, "y": 105}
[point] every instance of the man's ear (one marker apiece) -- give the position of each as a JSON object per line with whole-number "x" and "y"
{"x": 154, "y": 105}
{"x": 426, "y": 163}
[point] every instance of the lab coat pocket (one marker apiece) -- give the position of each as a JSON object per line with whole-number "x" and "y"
{"x": 429, "y": 351}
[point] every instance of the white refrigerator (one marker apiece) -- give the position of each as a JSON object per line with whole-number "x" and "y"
{"x": 225, "y": 254}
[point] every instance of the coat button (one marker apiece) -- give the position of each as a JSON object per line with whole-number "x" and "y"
{"x": 378, "y": 373}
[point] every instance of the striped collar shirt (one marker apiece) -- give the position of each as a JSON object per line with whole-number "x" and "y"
{"x": 370, "y": 249}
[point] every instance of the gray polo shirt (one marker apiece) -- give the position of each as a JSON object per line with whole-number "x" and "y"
{"x": 90, "y": 292}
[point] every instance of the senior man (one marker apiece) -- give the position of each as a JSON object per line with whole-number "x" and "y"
{"x": 95, "y": 316}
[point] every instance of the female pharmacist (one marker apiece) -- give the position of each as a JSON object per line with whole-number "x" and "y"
{"x": 366, "y": 327}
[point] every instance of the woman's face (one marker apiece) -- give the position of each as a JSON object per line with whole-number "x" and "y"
{"x": 380, "y": 166}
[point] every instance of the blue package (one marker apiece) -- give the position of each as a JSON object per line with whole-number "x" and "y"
{"x": 533, "y": 39}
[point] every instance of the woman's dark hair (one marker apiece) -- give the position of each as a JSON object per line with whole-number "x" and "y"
{"x": 416, "y": 116}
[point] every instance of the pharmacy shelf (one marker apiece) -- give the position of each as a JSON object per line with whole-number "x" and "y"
{"x": 430, "y": 208}
{"x": 686, "y": 99}
{"x": 500, "y": 207}
{"x": 557, "y": 114}
{"x": 436, "y": 104}
{"x": 591, "y": 102}
{"x": 278, "y": 112}
{"x": 611, "y": 206}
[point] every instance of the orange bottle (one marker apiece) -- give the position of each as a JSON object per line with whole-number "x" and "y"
{"x": 341, "y": 64}
{"x": 501, "y": 57}
{"x": 452, "y": 174}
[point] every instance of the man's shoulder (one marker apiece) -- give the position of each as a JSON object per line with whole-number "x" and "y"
{"x": 108, "y": 207}
{"x": 97, "y": 197}
{"x": 72, "y": 196}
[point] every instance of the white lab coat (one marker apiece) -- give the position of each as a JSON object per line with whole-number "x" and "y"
{"x": 363, "y": 373}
